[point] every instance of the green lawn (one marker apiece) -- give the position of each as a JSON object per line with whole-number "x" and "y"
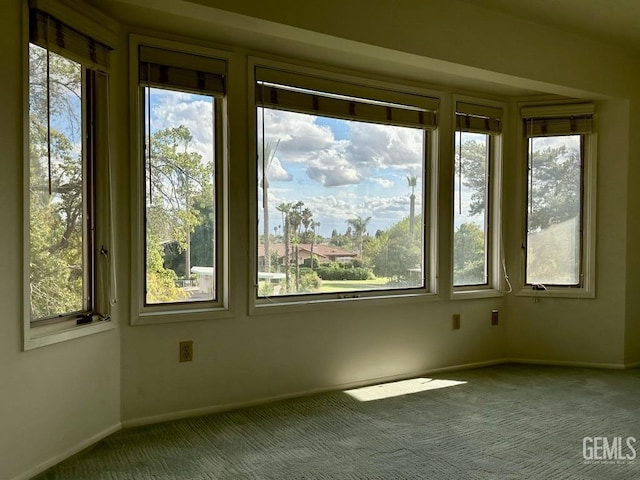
{"x": 348, "y": 285}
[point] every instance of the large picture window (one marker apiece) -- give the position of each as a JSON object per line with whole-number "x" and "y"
{"x": 181, "y": 95}
{"x": 63, "y": 69}
{"x": 556, "y": 192}
{"x": 342, "y": 187}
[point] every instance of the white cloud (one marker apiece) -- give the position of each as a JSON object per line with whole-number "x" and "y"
{"x": 277, "y": 172}
{"x": 334, "y": 176}
{"x": 388, "y": 208}
{"x": 171, "y": 109}
{"x": 333, "y": 210}
{"x": 374, "y": 145}
{"x": 383, "y": 182}
{"x": 338, "y": 162}
{"x": 298, "y": 135}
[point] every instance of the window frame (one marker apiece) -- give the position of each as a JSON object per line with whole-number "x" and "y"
{"x": 496, "y": 274}
{"x": 356, "y": 85}
{"x": 95, "y": 316}
{"x": 588, "y": 142}
{"x": 141, "y": 312}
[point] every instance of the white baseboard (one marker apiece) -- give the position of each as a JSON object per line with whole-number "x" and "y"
{"x": 566, "y": 363}
{"x": 196, "y": 412}
{"x": 68, "y": 453}
{"x": 467, "y": 366}
{"x": 167, "y": 417}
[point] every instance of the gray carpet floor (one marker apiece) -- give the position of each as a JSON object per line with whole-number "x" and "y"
{"x": 505, "y": 422}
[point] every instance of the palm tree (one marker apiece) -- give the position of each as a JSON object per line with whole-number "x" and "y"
{"x": 412, "y": 180}
{"x": 266, "y": 153}
{"x": 307, "y": 217}
{"x": 314, "y": 225}
{"x": 295, "y": 222}
{"x": 359, "y": 226}
{"x": 285, "y": 209}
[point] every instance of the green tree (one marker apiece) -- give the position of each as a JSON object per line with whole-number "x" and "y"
{"x": 285, "y": 210}
{"x": 295, "y": 217}
{"x": 359, "y": 226}
{"x": 314, "y": 225}
{"x": 395, "y": 251}
{"x": 554, "y": 186}
{"x": 161, "y": 281}
{"x": 203, "y": 236}
{"x": 474, "y": 174}
{"x": 553, "y": 216}
{"x": 468, "y": 255}
{"x": 179, "y": 197}
{"x": 201, "y": 242}
{"x": 56, "y": 217}
{"x": 412, "y": 181}
{"x": 554, "y": 190}
{"x": 340, "y": 240}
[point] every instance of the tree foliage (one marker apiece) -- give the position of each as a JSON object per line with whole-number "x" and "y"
{"x": 359, "y": 228}
{"x": 474, "y": 174}
{"x": 412, "y": 182}
{"x": 179, "y": 199}
{"x": 554, "y": 186}
{"x": 56, "y": 218}
{"x": 338, "y": 271}
{"x": 396, "y": 251}
{"x": 298, "y": 225}
{"x": 553, "y": 189}
{"x": 468, "y": 255}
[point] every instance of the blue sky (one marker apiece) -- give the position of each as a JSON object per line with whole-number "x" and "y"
{"x": 340, "y": 169}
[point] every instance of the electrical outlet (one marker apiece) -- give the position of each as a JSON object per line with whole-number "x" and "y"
{"x": 186, "y": 351}
{"x": 494, "y": 317}
{"x": 456, "y": 321}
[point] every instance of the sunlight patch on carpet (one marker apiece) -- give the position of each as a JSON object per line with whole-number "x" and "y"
{"x": 397, "y": 389}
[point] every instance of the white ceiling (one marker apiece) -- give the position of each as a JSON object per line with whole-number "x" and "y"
{"x": 615, "y": 22}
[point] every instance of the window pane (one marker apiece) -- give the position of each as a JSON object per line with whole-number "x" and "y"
{"x": 58, "y": 235}
{"x": 180, "y": 207}
{"x": 348, "y": 194}
{"x": 553, "y": 213}
{"x": 470, "y": 209}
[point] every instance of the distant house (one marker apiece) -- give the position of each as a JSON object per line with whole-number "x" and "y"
{"x": 324, "y": 253}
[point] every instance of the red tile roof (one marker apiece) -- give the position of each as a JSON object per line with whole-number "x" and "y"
{"x": 321, "y": 250}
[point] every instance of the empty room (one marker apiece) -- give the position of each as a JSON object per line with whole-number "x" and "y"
{"x": 350, "y": 240}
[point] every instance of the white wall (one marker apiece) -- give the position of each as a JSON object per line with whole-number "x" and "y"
{"x": 56, "y": 397}
{"x": 255, "y": 357}
{"x": 583, "y": 330}
{"x": 632, "y": 330}
{"x": 53, "y": 399}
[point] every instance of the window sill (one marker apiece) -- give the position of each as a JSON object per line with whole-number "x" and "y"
{"x": 36, "y": 337}
{"x": 552, "y": 292}
{"x": 179, "y": 316}
{"x": 264, "y": 306}
{"x": 459, "y": 294}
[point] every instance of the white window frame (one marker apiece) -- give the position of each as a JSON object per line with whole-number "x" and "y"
{"x": 142, "y": 313}
{"x": 496, "y": 274}
{"x": 356, "y": 86}
{"x": 100, "y": 28}
{"x": 589, "y": 179}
